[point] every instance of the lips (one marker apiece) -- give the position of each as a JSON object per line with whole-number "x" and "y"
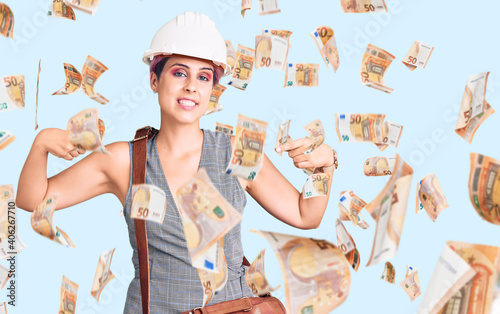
{"x": 187, "y": 103}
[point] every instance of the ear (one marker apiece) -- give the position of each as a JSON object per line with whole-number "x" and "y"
{"x": 153, "y": 81}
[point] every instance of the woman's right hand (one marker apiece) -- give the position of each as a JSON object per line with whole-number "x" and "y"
{"x": 56, "y": 142}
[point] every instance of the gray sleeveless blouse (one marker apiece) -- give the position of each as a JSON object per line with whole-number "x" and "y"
{"x": 175, "y": 285}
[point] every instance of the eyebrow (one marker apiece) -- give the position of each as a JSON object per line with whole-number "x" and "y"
{"x": 185, "y": 66}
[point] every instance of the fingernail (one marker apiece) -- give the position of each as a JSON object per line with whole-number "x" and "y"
{"x": 278, "y": 150}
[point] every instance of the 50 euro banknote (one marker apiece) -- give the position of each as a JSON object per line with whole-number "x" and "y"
{"x": 363, "y": 6}
{"x": 301, "y": 74}
{"x": 243, "y": 68}
{"x": 355, "y": 127}
{"x": 12, "y": 93}
{"x": 271, "y": 49}
{"x": 418, "y": 56}
{"x": 484, "y": 187}
{"x": 374, "y": 65}
{"x": 86, "y": 130}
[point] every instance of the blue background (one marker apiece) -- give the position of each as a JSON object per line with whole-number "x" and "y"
{"x": 426, "y": 101}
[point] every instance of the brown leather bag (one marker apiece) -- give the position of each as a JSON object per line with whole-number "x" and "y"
{"x": 264, "y": 305}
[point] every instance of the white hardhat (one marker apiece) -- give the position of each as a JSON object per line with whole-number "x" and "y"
{"x": 190, "y": 34}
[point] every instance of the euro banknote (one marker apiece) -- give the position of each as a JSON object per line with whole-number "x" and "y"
{"x": 8, "y": 224}
{"x": 347, "y": 246}
{"x": 374, "y": 65}
{"x": 213, "y": 104}
{"x": 245, "y": 5}
{"x": 271, "y": 49}
{"x": 350, "y": 207}
{"x": 418, "y": 56}
{"x": 41, "y": 221}
{"x": 103, "y": 274}
{"x": 224, "y": 128}
{"x": 231, "y": 54}
{"x": 12, "y": 93}
{"x": 355, "y": 127}
{"x": 206, "y": 217}
{"x": 6, "y": 21}
{"x": 411, "y": 283}
{"x": 248, "y": 149}
{"x": 69, "y": 289}
{"x": 87, "y": 6}
{"x": 316, "y": 185}
{"x": 430, "y": 197}
{"x": 363, "y": 6}
{"x": 379, "y": 166}
{"x": 484, "y": 187}
{"x": 59, "y": 8}
{"x": 474, "y": 108}
{"x": 312, "y": 270}
{"x": 213, "y": 282}
{"x": 6, "y": 137}
{"x": 465, "y": 273}
{"x": 388, "y": 209}
{"x": 389, "y": 273}
{"x": 268, "y": 7}
{"x": 73, "y": 80}
{"x": 256, "y": 277}
{"x": 37, "y": 85}
{"x": 86, "y": 130}
{"x": 283, "y": 137}
{"x": 301, "y": 74}
{"x": 242, "y": 72}
{"x": 321, "y": 36}
{"x": 149, "y": 202}
{"x": 92, "y": 70}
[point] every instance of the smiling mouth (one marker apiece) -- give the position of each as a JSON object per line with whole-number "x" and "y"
{"x": 187, "y": 103}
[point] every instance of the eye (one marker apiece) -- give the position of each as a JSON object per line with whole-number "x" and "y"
{"x": 205, "y": 78}
{"x": 179, "y": 74}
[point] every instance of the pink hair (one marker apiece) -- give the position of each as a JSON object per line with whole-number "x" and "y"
{"x": 218, "y": 71}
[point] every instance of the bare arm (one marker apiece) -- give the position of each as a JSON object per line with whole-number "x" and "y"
{"x": 280, "y": 198}
{"x": 94, "y": 175}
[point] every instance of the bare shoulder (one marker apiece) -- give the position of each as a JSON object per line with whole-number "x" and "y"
{"x": 243, "y": 182}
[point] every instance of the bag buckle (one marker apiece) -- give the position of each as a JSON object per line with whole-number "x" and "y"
{"x": 148, "y": 128}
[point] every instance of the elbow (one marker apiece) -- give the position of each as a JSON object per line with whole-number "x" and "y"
{"x": 23, "y": 204}
{"x": 310, "y": 225}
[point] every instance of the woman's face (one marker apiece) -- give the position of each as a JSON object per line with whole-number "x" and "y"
{"x": 184, "y": 88}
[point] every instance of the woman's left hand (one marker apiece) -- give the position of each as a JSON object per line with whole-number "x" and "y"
{"x": 322, "y": 156}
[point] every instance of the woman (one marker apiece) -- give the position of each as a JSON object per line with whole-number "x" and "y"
{"x": 187, "y": 57}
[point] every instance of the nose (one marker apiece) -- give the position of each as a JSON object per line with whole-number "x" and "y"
{"x": 190, "y": 85}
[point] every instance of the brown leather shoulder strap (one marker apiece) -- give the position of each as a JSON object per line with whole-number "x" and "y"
{"x": 139, "y": 177}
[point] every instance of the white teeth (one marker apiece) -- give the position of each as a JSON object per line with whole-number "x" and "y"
{"x": 188, "y": 103}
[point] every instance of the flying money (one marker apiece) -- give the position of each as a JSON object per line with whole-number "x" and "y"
{"x": 12, "y": 93}
{"x": 465, "y": 273}
{"x": 245, "y": 5}
{"x": 347, "y": 245}
{"x": 379, "y": 166}
{"x": 224, "y": 128}
{"x": 301, "y": 74}
{"x": 418, "y": 55}
{"x": 315, "y": 272}
{"x": 149, "y": 202}
{"x": 248, "y": 149}
{"x": 73, "y": 80}
{"x": 474, "y": 108}
{"x": 10, "y": 241}
{"x": 242, "y": 72}
{"x": 58, "y": 8}
{"x": 268, "y": 7}
{"x": 332, "y": 53}
{"x": 86, "y": 130}
{"x": 283, "y": 136}
{"x": 41, "y": 221}
{"x": 103, "y": 274}
{"x": 430, "y": 197}
{"x": 69, "y": 290}
{"x": 87, "y": 6}
{"x": 6, "y": 138}
{"x": 353, "y": 127}
{"x": 231, "y": 54}
{"x": 271, "y": 49}
{"x": 37, "y": 85}
{"x": 206, "y": 218}
{"x": 350, "y": 206}
{"x": 389, "y": 273}
{"x": 484, "y": 187}
{"x": 213, "y": 104}
{"x": 321, "y": 36}
{"x": 3, "y": 308}
{"x": 92, "y": 70}
{"x": 6, "y": 21}
{"x": 389, "y": 210}
{"x": 317, "y": 133}
{"x": 363, "y": 6}
{"x": 256, "y": 278}
{"x": 411, "y": 283}
{"x": 316, "y": 185}
{"x": 213, "y": 282}
{"x": 373, "y": 67}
